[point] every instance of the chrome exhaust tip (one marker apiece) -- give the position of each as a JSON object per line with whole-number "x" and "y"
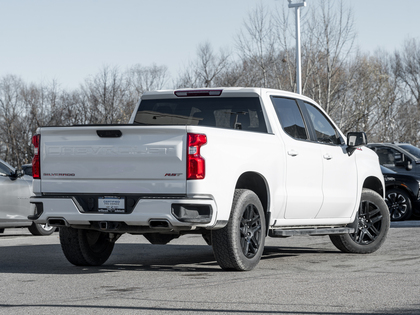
{"x": 57, "y": 222}
{"x": 160, "y": 225}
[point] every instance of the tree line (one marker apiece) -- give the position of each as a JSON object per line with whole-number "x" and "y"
{"x": 377, "y": 93}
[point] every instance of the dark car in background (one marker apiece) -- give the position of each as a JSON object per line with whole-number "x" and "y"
{"x": 402, "y": 194}
{"x": 15, "y": 190}
{"x": 27, "y": 169}
{"x": 400, "y": 157}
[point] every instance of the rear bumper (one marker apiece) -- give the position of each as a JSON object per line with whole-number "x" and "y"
{"x": 150, "y": 213}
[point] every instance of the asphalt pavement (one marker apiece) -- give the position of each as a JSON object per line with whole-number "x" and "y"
{"x": 297, "y": 275}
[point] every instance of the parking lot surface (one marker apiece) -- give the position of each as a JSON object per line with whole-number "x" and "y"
{"x": 297, "y": 275}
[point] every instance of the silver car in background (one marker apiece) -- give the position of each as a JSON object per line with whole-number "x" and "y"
{"x": 15, "y": 190}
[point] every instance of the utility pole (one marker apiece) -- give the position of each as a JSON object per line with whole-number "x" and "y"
{"x": 297, "y": 7}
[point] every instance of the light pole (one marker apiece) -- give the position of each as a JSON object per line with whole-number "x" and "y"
{"x": 297, "y": 7}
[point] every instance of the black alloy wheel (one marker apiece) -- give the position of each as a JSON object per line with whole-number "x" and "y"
{"x": 240, "y": 244}
{"x": 369, "y": 223}
{"x": 399, "y": 204}
{"x": 371, "y": 226}
{"x": 250, "y": 229}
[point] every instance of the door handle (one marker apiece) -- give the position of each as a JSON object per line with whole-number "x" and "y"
{"x": 109, "y": 133}
{"x": 292, "y": 153}
{"x": 327, "y": 156}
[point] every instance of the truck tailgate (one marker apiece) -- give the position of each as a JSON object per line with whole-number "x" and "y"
{"x": 113, "y": 159}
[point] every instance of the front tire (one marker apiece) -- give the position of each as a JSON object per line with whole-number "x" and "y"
{"x": 85, "y": 247}
{"x": 371, "y": 226}
{"x": 240, "y": 244}
{"x": 399, "y": 204}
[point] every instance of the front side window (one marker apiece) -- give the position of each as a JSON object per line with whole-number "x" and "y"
{"x": 244, "y": 113}
{"x": 290, "y": 117}
{"x": 325, "y": 131}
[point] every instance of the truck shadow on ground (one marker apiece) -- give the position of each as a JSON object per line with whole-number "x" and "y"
{"x": 183, "y": 310}
{"x": 49, "y": 259}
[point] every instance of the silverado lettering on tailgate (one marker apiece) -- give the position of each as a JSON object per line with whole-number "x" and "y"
{"x": 111, "y": 150}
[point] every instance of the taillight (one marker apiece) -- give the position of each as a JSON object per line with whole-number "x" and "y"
{"x": 196, "y": 167}
{"x": 36, "y": 167}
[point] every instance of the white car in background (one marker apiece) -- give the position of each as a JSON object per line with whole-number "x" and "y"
{"x": 15, "y": 190}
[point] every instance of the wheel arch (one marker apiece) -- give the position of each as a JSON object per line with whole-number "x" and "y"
{"x": 258, "y": 184}
{"x": 403, "y": 188}
{"x": 374, "y": 184}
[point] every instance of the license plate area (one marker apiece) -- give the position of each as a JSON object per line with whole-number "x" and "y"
{"x": 94, "y": 203}
{"x": 111, "y": 204}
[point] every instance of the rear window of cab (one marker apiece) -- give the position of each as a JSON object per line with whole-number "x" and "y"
{"x": 242, "y": 113}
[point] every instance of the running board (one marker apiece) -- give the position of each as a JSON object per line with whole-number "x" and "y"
{"x": 315, "y": 232}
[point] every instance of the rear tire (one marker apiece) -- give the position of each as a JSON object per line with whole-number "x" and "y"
{"x": 85, "y": 247}
{"x": 41, "y": 229}
{"x": 372, "y": 225}
{"x": 240, "y": 244}
{"x": 207, "y": 237}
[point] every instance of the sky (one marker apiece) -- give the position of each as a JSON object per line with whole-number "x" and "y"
{"x": 70, "y": 40}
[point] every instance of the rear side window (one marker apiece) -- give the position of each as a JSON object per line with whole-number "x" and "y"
{"x": 242, "y": 113}
{"x": 290, "y": 117}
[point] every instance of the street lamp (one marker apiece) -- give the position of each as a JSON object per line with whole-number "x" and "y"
{"x": 297, "y": 7}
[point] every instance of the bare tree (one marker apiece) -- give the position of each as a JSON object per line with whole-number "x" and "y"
{"x": 369, "y": 97}
{"x": 332, "y": 26}
{"x": 141, "y": 79}
{"x": 377, "y": 93}
{"x": 256, "y": 44}
{"x": 210, "y": 65}
{"x": 207, "y": 69}
{"x": 10, "y": 113}
{"x": 105, "y": 95}
{"x": 406, "y": 66}
{"x": 285, "y": 60}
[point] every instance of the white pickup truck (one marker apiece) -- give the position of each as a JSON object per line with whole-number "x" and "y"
{"x": 232, "y": 164}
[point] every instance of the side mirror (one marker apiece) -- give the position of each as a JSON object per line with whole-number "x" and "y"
{"x": 355, "y": 140}
{"x": 405, "y": 163}
{"x": 20, "y": 173}
{"x": 16, "y": 174}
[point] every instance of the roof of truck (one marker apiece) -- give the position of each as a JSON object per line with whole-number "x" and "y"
{"x": 224, "y": 91}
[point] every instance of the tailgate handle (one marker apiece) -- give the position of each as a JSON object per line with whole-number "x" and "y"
{"x": 109, "y": 133}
